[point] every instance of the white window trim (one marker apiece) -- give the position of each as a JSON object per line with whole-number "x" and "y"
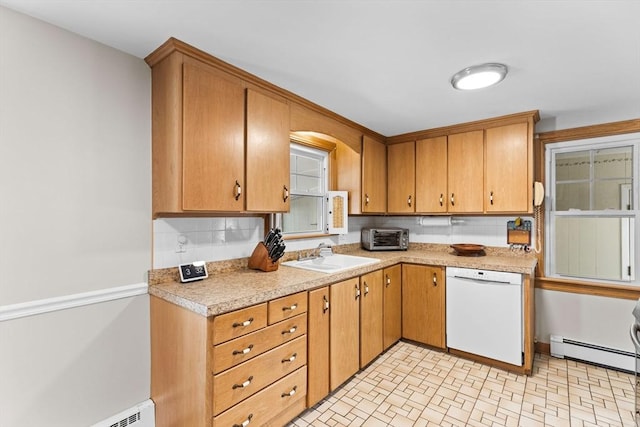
{"x": 321, "y": 155}
{"x": 631, "y": 139}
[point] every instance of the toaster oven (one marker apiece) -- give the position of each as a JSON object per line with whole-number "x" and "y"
{"x": 385, "y": 239}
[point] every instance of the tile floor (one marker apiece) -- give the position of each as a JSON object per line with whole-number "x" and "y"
{"x": 413, "y": 386}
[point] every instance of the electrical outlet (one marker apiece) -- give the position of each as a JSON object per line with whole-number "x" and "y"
{"x": 182, "y": 244}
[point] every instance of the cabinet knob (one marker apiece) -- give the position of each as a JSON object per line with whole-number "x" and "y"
{"x": 285, "y": 193}
{"x": 291, "y": 393}
{"x": 237, "y": 191}
{"x": 409, "y": 200}
{"x": 244, "y": 384}
{"x": 291, "y": 307}
{"x": 245, "y": 423}
{"x": 290, "y": 359}
{"x": 243, "y": 324}
{"x": 290, "y": 331}
{"x": 491, "y": 197}
{"x": 243, "y": 351}
{"x": 452, "y": 200}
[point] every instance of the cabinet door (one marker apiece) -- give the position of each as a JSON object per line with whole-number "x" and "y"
{"x": 392, "y": 306}
{"x": 371, "y": 329}
{"x": 508, "y": 174}
{"x": 431, "y": 175}
{"x": 344, "y": 358}
{"x": 465, "y": 163}
{"x": 318, "y": 341}
{"x": 267, "y": 153}
{"x": 423, "y": 309}
{"x": 213, "y": 140}
{"x": 374, "y": 176}
{"x": 401, "y": 165}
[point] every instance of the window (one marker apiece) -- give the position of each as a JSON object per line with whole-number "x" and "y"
{"x": 308, "y": 188}
{"x": 592, "y": 209}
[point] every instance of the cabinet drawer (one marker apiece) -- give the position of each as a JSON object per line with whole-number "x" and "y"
{"x": 286, "y": 307}
{"x": 245, "y": 348}
{"x": 240, "y": 322}
{"x": 236, "y": 384}
{"x": 260, "y": 408}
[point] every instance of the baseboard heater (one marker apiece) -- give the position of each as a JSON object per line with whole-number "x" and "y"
{"x": 566, "y": 348}
{"x": 141, "y": 415}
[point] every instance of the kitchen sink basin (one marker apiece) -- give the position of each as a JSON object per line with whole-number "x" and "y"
{"x": 332, "y": 263}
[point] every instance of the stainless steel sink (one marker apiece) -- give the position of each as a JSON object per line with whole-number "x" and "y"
{"x": 332, "y": 263}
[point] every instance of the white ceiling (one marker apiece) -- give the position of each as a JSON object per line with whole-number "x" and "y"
{"x": 387, "y": 64}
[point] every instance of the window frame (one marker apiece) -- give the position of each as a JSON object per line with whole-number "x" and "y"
{"x": 319, "y": 142}
{"x": 630, "y": 139}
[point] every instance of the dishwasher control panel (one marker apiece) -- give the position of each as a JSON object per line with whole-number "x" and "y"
{"x": 485, "y": 275}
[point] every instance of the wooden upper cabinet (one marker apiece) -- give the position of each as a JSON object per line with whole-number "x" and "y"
{"x": 431, "y": 175}
{"x": 508, "y": 171}
{"x": 267, "y": 153}
{"x": 465, "y": 164}
{"x": 212, "y": 140}
{"x": 374, "y": 176}
{"x": 401, "y": 164}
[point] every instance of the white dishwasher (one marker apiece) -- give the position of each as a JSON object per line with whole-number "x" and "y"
{"x": 484, "y": 313}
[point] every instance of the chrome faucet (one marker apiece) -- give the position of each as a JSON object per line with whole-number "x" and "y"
{"x": 324, "y": 250}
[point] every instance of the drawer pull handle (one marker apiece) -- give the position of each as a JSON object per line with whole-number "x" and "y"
{"x": 244, "y": 351}
{"x": 290, "y": 359}
{"x": 290, "y": 331}
{"x": 244, "y": 384}
{"x": 238, "y": 190}
{"x": 388, "y": 280}
{"x": 245, "y": 423}
{"x": 326, "y": 304}
{"x": 243, "y": 324}
{"x": 291, "y": 393}
{"x": 293, "y": 307}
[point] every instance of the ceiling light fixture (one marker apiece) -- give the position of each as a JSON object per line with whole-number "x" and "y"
{"x": 479, "y": 76}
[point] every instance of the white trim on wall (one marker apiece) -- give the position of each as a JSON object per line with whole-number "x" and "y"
{"x": 47, "y": 305}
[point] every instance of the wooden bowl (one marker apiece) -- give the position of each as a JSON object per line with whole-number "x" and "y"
{"x": 468, "y": 249}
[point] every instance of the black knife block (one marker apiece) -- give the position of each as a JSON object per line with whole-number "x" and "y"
{"x": 260, "y": 260}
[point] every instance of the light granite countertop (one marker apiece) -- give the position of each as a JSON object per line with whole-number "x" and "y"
{"x": 229, "y": 289}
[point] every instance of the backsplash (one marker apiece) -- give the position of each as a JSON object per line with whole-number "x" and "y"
{"x": 181, "y": 240}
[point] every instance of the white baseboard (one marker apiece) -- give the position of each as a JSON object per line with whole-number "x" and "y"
{"x": 47, "y": 305}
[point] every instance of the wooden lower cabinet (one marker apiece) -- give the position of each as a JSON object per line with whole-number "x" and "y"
{"x": 423, "y": 304}
{"x": 250, "y": 364}
{"x": 318, "y": 341}
{"x": 371, "y": 325}
{"x": 266, "y": 406}
{"x": 392, "y": 306}
{"x": 344, "y": 331}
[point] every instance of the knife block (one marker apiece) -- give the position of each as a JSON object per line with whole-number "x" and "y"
{"x": 260, "y": 260}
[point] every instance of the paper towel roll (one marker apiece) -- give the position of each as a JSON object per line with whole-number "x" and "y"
{"x": 435, "y": 221}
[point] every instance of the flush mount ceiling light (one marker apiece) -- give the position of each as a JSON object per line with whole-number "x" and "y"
{"x": 479, "y": 76}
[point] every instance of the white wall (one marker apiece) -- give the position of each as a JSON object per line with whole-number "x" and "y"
{"x": 75, "y": 190}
